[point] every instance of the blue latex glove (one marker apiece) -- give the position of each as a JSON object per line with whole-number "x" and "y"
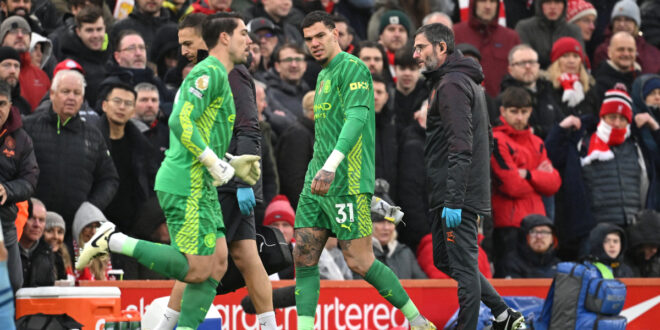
{"x": 452, "y": 217}
{"x": 246, "y": 200}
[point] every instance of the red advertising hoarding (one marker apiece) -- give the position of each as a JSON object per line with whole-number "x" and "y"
{"x": 356, "y": 305}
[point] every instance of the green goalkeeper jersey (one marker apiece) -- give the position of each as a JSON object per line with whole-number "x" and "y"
{"x": 344, "y": 84}
{"x": 203, "y": 115}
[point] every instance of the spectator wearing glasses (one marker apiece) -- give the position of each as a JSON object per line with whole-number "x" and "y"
{"x": 147, "y": 17}
{"x": 130, "y": 65}
{"x": 524, "y": 72}
{"x": 265, "y": 30}
{"x": 286, "y": 87}
{"x": 535, "y": 255}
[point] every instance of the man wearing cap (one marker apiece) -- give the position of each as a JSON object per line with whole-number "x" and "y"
{"x": 606, "y": 175}
{"x": 393, "y": 33}
{"x": 74, "y": 161}
{"x": 10, "y": 68}
{"x": 36, "y": 254}
{"x": 549, "y": 24}
{"x": 18, "y": 176}
{"x": 621, "y": 66}
{"x": 268, "y": 37}
{"x": 626, "y": 17}
{"x": 86, "y": 45}
{"x": 483, "y": 31}
{"x": 282, "y": 14}
{"x": 15, "y": 33}
{"x": 535, "y": 254}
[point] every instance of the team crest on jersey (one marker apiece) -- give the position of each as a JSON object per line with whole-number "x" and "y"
{"x": 202, "y": 83}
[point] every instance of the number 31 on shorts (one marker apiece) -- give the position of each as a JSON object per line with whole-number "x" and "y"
{"x": 341, "y": 211}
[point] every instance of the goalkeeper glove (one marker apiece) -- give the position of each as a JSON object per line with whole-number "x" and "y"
{"x": 390, "y": 213}
{"x": 246, "y": 201}
{"x": 220, "y": 170}
{"x": 247, "y": 167}
{"x": 452, "y": 217}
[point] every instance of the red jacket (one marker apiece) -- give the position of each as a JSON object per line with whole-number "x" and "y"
{"x": 425, "y": 259}
{"x": 515, "y": 197}
{"x": 647, "y": 55}
{"x": 34, "y": 81}
{"x": 493, "y": 42}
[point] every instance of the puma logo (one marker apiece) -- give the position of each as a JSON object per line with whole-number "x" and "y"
{"x": 346, "y": 227}
{"x": 389, "y": 294}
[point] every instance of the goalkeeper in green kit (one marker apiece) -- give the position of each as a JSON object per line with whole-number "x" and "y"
{"x": 201, "y": 127}
{"x": 339, "y": 184}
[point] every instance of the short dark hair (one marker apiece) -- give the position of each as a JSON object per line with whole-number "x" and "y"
{"x": 315, "y": 17}
{"x": 118, "y": 85}
{"x": 370, "y": 44}
{"x": 216, "y": 24}
{"x": 378, "y": 78}
{"x": 125, "y": 33}
{"x": 194, "y": 21}
{"x": 339, "y": 18}
{"x": 76, "y": 3}
{"x": 516, "y": 97}
{"x": 437, "y": 33}
{"x": 286, "y": 45}
{"x": 404, "y": 57}
{"x": 5, "y": 89}
{"x": 89, "y": 14}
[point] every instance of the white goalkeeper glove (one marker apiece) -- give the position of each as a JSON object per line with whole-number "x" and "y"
{"x": 220, "y": 170}
{"x": 246, "y": 167}
{"x": 391, "y": 213}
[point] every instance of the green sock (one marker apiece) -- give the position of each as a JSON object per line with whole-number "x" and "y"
{"x": 389, "y": 287}
{"x": 308, "y": 286}
{"x": 164, "y": 259}
{"x": 195, "y": 303}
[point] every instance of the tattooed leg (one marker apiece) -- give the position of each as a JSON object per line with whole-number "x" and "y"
{"x": 309, "y": 245}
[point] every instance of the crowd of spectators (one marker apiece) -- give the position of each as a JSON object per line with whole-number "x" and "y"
{"x": 572, "y": 91}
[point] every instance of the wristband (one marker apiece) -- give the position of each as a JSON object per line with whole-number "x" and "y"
{"x": 333, "y": 161}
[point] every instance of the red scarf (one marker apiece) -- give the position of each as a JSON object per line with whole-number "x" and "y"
{"x": 601, "y": 141}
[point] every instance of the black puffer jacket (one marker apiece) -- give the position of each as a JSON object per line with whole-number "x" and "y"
{"x": 39, "y": 268}
{"x": 646, "y": 232}
{"x": 294, "y": 150}
{"x": 650, "y": 11}
{"x": 93, "y": 62}
{"x": 75, "y": 164}
{"x": 283, "y": 95}
{"x": 597, "y": 252}
{"x": 387, "y": 148}
{"x": 18, "y": 166}
{"x": 607, "y": 76}
{"x": 459, "y": 139}
{"x": 246, "y": 139}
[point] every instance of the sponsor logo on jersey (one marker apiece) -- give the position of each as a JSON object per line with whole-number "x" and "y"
{"x": 359, "y": 85}
{"x": 325, "y": 106}
{"x": 196, "y": 92}
{"x": 231, "y": 118}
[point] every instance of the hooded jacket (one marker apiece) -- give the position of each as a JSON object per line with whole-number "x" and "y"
{"x": 18, "y": 167}
{"x": 648, "y": 138}
{"x": 46, "y": 48}
{"x": 92, "y": 61}
{"x": 74, "y": 162}
{"x": 597, "y": 252}
{"x": 541, "y": 33}
{"x": 515, "y": 197}
{"x": 86, "y": 214}
{"x": 34, "y": 81}
{"x": 524, "y": 262}
{"x": 645, "y": 232}
{"x": 458, "y": 137}
{"x": 492, "y": 40}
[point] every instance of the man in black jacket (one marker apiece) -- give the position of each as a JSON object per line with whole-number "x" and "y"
{"x": 457, "y": 153}
{"x": 10, "y": 69}
{"x": 73, "y": 158}
{"x": 146, "y": 18}
{"x": 18, "y": 177}
{"x": 36, "y": 255}
{"x": 85, "y": 45}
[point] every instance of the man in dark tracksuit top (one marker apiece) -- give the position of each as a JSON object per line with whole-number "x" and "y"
{"x": 457, "y": 155}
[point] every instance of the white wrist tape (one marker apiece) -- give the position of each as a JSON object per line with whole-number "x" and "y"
{"x": 333, "y": 161}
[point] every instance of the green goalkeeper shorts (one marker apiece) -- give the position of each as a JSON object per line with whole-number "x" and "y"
{"x": 194, "y": 222}
{"x": 347, "y": 217}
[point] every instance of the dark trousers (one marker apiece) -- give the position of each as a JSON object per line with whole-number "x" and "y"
{"x": 455, "y": 252}
{"x": 505, "y": 240}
